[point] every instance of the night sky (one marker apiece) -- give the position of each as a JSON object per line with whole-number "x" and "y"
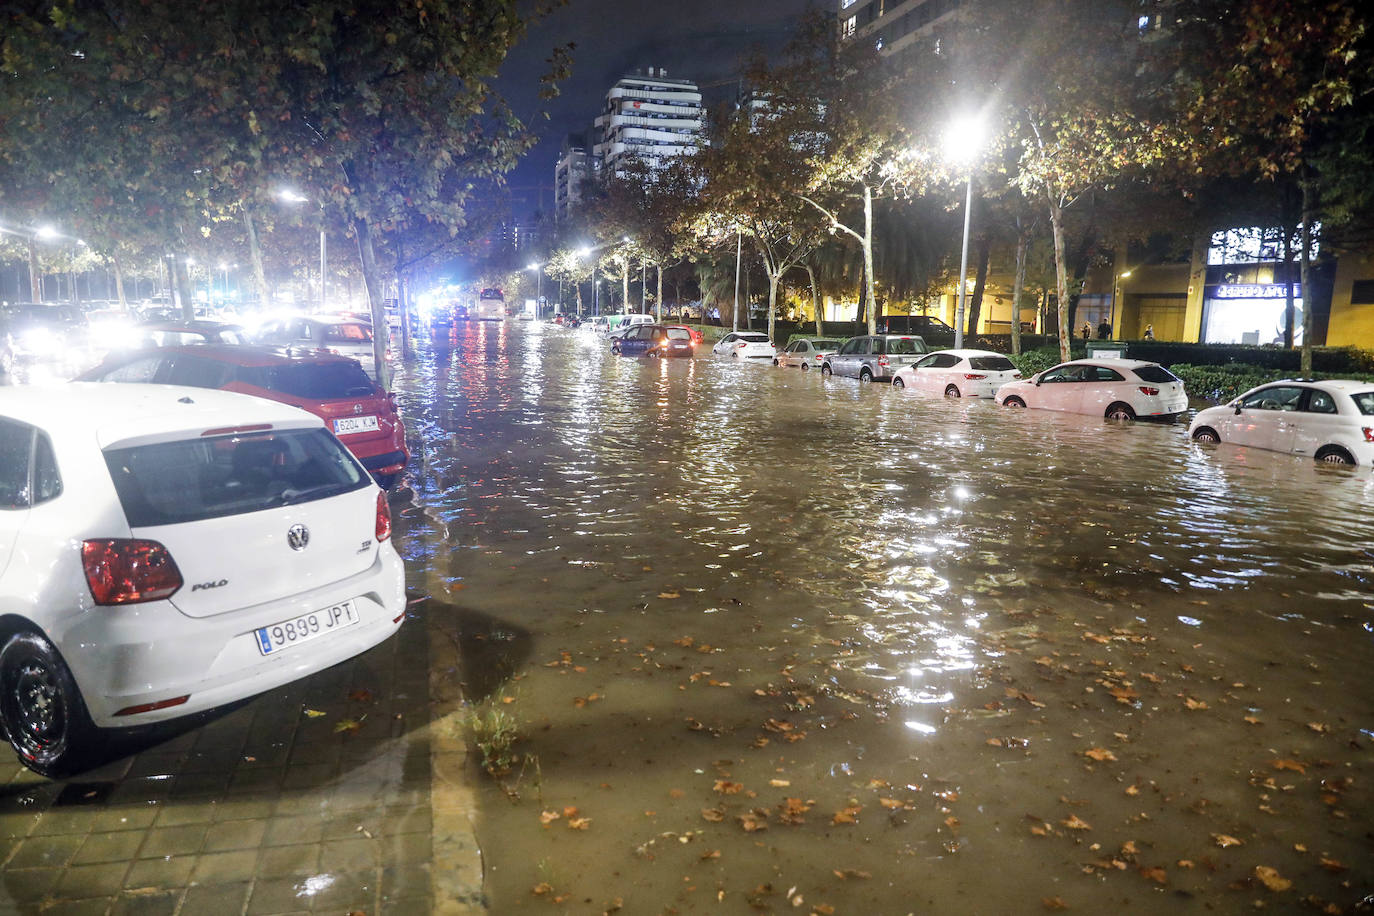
{"x": 701, "y": 40}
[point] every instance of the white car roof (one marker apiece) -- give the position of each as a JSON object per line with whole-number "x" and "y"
{"x": 1122, "y": 363}
{"x": 967, "y": 353}
{"x": 1344, "y": 385}
{"x": 128, "y": 413}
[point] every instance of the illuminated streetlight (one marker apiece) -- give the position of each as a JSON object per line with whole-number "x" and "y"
{"x": 295, "y": 197}
{"x": 963, "y": 143}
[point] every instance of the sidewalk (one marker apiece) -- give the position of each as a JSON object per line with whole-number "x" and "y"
{"x": 313, "y": 798}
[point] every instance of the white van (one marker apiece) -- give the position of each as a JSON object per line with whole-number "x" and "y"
{"x": 628, "y": 320}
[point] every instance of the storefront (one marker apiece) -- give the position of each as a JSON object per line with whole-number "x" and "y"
{"x": 1249, "y": 313}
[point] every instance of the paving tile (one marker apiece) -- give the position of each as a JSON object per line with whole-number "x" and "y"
{"x": 154, "y": 789}
{"x": 407, "y": 820}
{"x": 154, "y": 765}
{"x": 235, "y": 835}
{"x": 257, "y": 781}
{"x": 400, "y": 881}
{"x": 179, "y": 813}
{"x": 124, "y": 817}
{"x": 345, "y": 893}
{"x": 302, "y": 803}
{"x": 91, "y": 906}
{"x": 81, "y": 881}
{"x": 308, "y": 776}
{"x": 169, "y": 871}
{"x": 46, "y": 851}
{"x": 408, "y": 906}
{"x": 286, "y": 831}
{"x": 348, "y": 855}
{"x": 28, "y": 885}
{"x": 406, "y": 849}
{"x": 172, "y": 841}
{"x": 198, "y": 785}
{"x": 109, "y": 847}
{"x": 155, "y": 903}
{"x": 276, "y": 896}
{"x": 71, "y": 821}
{"x": 239, "y": 809}
{"x": 216, "y": 899}
{"x": 298, "y": 861}
{"x": 224, "y": 867}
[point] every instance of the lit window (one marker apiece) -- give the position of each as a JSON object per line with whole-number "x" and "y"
{"x": 850, "y": 24}
{"x": 846, "y": 4}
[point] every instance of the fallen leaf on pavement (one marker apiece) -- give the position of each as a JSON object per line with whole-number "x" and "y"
{"x": 1271, "y": 879}
{"x": 1099, "y": 754}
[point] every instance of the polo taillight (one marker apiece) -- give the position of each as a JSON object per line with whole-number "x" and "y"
{"x": 383, "y": 517}
{"x": 742, "y": 345}
{"x": 973, "y": 375}
{"x": 129, "y": 570}
{"x": 1145, "y": 389}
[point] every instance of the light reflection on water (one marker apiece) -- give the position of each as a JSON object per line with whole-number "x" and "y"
{"x": 844, "y": 557}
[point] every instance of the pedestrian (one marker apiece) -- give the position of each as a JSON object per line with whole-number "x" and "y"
{"x": 1104, "y": 329}
{"x": 1149, "y": 332}
{"x": 1086, "y": 330}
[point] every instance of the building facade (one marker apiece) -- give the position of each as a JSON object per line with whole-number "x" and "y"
{"x": 572, "y": 170}
{"x": 650, "y": 118}
{"x": 893, "y": 25}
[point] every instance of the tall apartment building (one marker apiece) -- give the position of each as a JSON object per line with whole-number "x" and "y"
{"x": 648, "y": 117}
{"x": 570, "y": 172}
{"x": 892, "y": 25}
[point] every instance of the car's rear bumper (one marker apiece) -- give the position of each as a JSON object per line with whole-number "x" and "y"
{"x": 151, "y": 653}
{"x": 386, "y": 462}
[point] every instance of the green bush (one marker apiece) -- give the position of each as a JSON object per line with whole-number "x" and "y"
{"x": 1222, "y": 383}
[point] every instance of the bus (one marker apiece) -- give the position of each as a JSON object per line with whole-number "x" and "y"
{"x": 491, "y": 305}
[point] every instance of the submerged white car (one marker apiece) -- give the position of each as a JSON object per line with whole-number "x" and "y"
{"x": 1331, "y": 421}
{"x": 958, "y": 373}
{"x": 1118, "y": 389}
{"x": 167, "y": 550}
{"x": 746, "y": 345}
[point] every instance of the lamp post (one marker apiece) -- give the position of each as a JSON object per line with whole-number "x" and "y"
{"x": 963, "y": 142}
{"x": 1116, "y": 286}
{"x": 739, "y": 251}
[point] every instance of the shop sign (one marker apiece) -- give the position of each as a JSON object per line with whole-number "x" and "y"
{"x": 1256, "y": 291}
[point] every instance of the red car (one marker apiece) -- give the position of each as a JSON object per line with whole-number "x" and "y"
{"x": 332, "y": 387}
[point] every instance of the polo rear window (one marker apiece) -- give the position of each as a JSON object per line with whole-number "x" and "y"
{"x": 311, "y": 381}
{"x": 190, "y": 480}
{"x": 1364, "y": 402}
{"x": 991, "y": 363}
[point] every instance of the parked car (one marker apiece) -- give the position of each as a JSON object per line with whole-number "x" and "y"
{"x": 1118, "y": 389}
{"x": 345, "y": 336}
{"x": 164, "y": 551}
{"x": 806, "y": 352}
{"x": 653, "y": 340}
{"x": 927, "y": 327}
{"x": 1331, "y": 421}
{"x": 176, "y": 333}
{"x": 334, "y": 388}
{"x": 958, "y": 373}
{"x": 42, "y": 331}
{"x": 745, "y": 345}
{"x": 696, "y": 335}
{"x": 619, "y": 322}
{"x": 875, "y": 356}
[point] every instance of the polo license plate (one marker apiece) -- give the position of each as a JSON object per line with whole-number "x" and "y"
{"x": 306, "y": 627}
{"x": 345, "y": 425}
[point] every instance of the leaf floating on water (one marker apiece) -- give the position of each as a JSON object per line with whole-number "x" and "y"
{"x": 1253, "y": 721}
{"x": 714, "y": 815}
{"x": 348, "y": 726}
{"x": 710, "y": 854}
{"x": 542, "y": 889}
{"x": 314, "y": 713}
{"x": 892, "y": 803}
{"x": 1194, "y": 704}
{"x": 726, "y": 787}
{"x": 547, "y": 817}
{"x": 1099, "y": 754}
{"x": 1157, "y": 874}
{"x": 779, "y": 783}
{"x": 847, "y": 873}
{"x": 1074, "y": 822}
{"x": 753, "y": 821}
{"x": 1223, "y": 840}
{"x": 1289, "y": 765}
{"x": 1053, "y": 903}
{"x": 361, "y": 696}
{"x": 1271, "y": 879}
{"x": 1320, "y": 728}
{"x": 669, "y": 595}
{"x": 579, "y": 823}
{"x": 849, "y": 815}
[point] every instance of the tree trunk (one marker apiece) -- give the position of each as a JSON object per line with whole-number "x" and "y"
{"x": 35, "y": 280}
{"x": 975, "y": 306}
{"x": 815, "y": 299}
{"x": 772, "y": 303}
{"x": 119, "y": 282}
{"x": 658, "y": 296}
{"x": 255, "y": 256}
{"x": 1309, "y": 206}
{"x": 367, "y": 254}
{"x": 1017, "y": 285}
{"x": 868, "y": 261}
{"x": 181, "y": 286}
{"x": 625, "y": 285}
{"x": 1061, "y": 278}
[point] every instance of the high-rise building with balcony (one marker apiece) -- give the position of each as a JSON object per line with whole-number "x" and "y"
{"x": 570, "y": 172}
{"x": 892, "y": 25}
{"x": 651, "y": 118}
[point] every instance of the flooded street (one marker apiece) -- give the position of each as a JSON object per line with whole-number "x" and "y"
{"x": 771, "y": 642}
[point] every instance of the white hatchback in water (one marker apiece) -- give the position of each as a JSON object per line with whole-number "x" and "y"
{"x": 1118, "y": 389}
{"x": 167, "y": 550}
{"x": 1331, "y": 421}
{"x": 958, "y": 373}
{"x": 746, "y": 344}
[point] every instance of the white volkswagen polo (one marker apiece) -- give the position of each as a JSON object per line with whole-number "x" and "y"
{"x": 1331, "y": 421}
{"x": 958, "y": 373}
{"x": 166, "y": 550}
{"x": 1118, "y": 389}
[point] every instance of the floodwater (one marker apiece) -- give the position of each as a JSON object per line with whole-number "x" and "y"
{"x": 776, "y": 643}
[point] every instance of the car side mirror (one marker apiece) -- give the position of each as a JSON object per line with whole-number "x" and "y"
{"x": 1037, "y": 381}
{"x": 1237, "y": 409}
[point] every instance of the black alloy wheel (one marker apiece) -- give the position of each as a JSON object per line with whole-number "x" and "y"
{"x": 865, "y": 375}
{"x": 40, "y": 707}
{"x": 1334, "y": 454}
{"x": 1119, "y": 411}
{"x": 1207, "y": 435}
{"x": 1013, "y": 401}
{"x": 952, "y": 392}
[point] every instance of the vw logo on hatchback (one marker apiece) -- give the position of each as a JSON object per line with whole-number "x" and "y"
{"x": 298, "y": 536}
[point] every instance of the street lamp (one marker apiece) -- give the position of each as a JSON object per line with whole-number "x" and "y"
{"x": 294, "y": 197}
{"x": 963, "y": 143}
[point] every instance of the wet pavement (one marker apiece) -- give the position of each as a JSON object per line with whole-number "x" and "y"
{"x": 738, "y": 639}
